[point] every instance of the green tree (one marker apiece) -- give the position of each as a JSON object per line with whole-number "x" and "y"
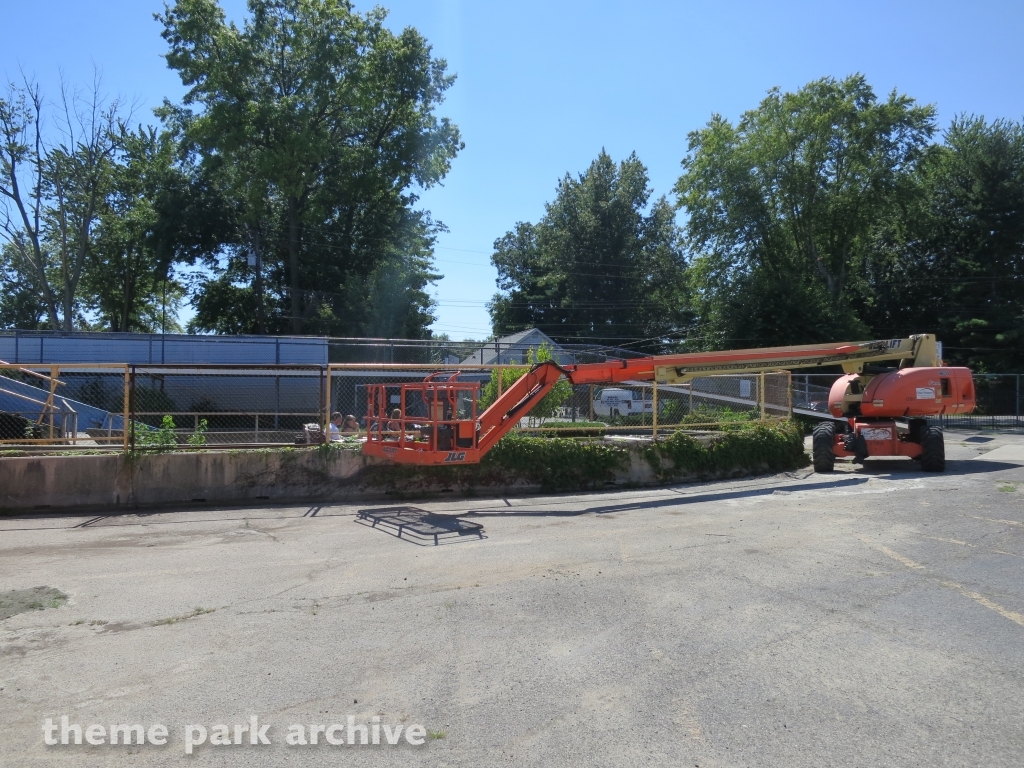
{"x": 320, "y": 122}
{"x": 601, "y": 264}
{"x": 782, "y": 207}
{"x": 52, "y": 189}
{"x": 952, "y": 262}
{"x": 549, "y": 404}
{"x": 20, "y": 305}
{"x": 129, "y": 278}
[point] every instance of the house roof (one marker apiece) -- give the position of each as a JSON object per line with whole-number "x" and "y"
{"x": 513, "y": 348}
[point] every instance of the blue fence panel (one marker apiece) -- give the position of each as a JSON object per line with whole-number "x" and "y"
{"x": 34, "y": 347}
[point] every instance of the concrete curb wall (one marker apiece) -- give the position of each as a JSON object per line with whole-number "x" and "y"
{"x": 244, "y": 476}
{"x": 114, "y": 480}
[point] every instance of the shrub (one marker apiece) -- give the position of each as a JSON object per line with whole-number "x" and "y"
{"x": 773, "y": 446}
{"x": 198, "y": 437}
{"x": 555, "y": 462}
{"x": 159, "y": 439}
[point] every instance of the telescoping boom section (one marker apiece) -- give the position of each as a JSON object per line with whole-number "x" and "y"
{"x": 437, "y": 421}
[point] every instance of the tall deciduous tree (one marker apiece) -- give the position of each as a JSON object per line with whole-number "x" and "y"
{"x": 53, "y": 189}
{"x": 601, "y": 265}
{"x": 157, "y": 216}
{"x": 952, "y": 262}
{"x": 20, "y": 303}
{"x": 322, "y": 122}
{"x": 781, "y": 207}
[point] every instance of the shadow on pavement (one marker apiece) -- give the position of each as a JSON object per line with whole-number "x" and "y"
{"x": 956, "y": 467}
{"x": 418, "y": 526}
{"x": 880, "y": 469}
{"x": 696, "y": 498}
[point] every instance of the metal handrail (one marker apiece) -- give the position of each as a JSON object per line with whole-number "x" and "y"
{"x": 43, "y": 403}
{"x": 16, "y": 367}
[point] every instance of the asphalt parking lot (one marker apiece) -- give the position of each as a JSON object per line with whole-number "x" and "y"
{"x": 872, "y": 617}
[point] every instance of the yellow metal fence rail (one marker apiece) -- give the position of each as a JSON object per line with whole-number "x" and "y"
{"x": 117, "y": 406}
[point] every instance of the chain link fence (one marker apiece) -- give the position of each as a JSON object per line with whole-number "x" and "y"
{"x": 66, "y": 405}
{"x": 87, "y": 405}
{"x": 711, "y": 401}
{"x": 168, "y": 407}
{"x": 640, "y": 408}
{"x": 441, "y": 352}
{"x": 810, "y": 392}
{"x": 1000, "y": 399}
{"x": 225, "y": 405}
{"x": 164, "y": 407}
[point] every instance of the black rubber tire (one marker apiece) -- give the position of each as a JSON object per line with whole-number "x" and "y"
{"x": 917, "y": 428}
{"x": 933, "y": 450}
{"x": 860, "y": 449}
{"x": 822, "y": 443}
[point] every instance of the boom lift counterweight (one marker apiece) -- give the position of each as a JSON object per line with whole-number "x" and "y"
{"x": 881, "y": 410}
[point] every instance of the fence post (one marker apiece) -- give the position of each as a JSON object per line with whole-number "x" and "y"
{"x": 131, "y": 408}
{"x": 762, "y": 396}
{"x": 654, "y": 415}
{"x": 789, "y": 393}
{"x": 324, "y": 407}
{"x": 126, "y": 402}
{"x": 53, "y": 391}
{"x": 1018, "y": 400}
{"x": 591, "y": 402}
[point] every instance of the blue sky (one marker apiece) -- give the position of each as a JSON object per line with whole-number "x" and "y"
{"x": 543, "y": 86}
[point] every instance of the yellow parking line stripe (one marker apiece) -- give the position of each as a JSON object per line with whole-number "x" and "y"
{"x": 1017, "y": 618}
{"x": 982, "y": 600}
{"x": 995, "y": 520}
{"x": 948, "y": 541}
{"x": 894, "y": 555}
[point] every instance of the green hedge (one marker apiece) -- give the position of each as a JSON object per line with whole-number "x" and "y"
{"x": 566, "y": 464}
{"x": 773, "y": 447}
{"x": 557, "y": 462}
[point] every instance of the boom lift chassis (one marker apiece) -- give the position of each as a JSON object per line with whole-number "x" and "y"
{"x": 879, "y": 410}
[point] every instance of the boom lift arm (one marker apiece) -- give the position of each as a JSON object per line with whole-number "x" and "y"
{"x": 453, "y": 433}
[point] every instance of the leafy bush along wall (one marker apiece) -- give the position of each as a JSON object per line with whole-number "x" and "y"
{"x": 760, "y": 447}
{"x": 560, "y": 464}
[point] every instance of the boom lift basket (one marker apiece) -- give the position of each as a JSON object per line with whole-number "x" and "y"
{"x": 437, "y": 422}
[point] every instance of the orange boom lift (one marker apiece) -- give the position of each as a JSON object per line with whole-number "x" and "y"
{"x": 880, "y": 409}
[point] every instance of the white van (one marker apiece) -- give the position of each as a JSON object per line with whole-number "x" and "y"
{"x": 620, "y": 402}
